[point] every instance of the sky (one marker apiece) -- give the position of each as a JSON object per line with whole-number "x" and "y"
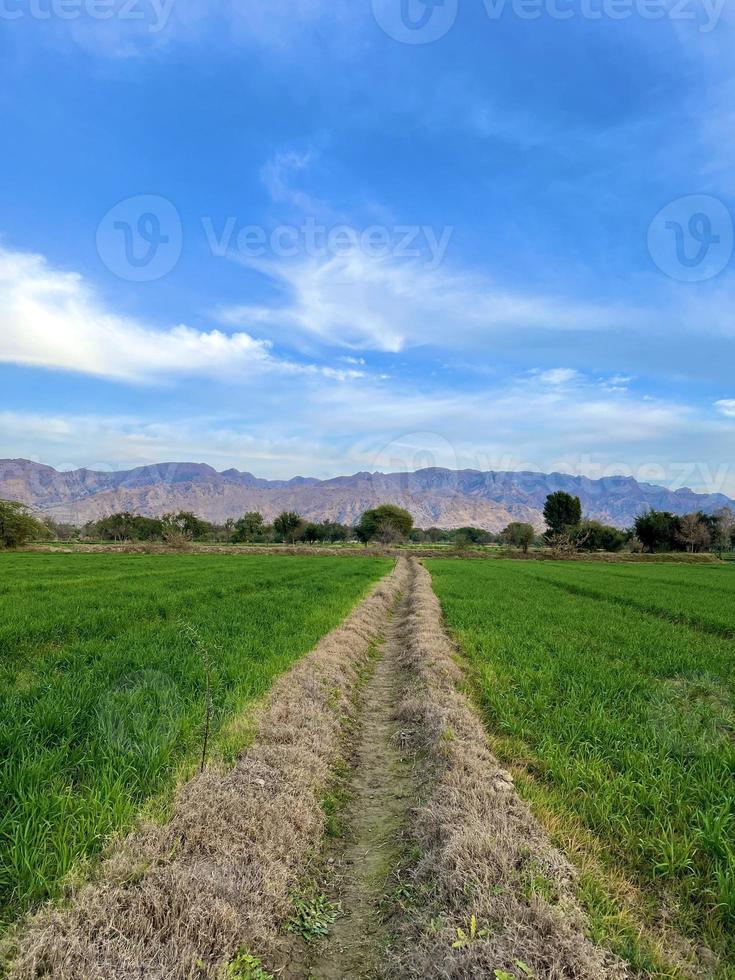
{"x": 315, "y": 237}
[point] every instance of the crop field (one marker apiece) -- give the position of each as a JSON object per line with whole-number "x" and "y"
{"x": 106, "y": 662}
{"x": 608, "y": 690}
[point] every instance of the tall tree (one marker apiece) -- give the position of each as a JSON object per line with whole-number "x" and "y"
{"x": 288, "y": 526}
{"x": 562, "y": 511}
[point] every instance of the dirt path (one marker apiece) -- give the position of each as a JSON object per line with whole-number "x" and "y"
{"x": 383, "y": 787}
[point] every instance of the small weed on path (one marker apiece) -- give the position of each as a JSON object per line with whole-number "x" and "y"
{"x": 313, "y": 916}
{"x": 245, "y": 966}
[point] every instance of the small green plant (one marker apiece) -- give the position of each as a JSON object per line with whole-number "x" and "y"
{"x": 313, "y": 916}
{"x": 472, "y": 935}
{"x": 245, "y": 966}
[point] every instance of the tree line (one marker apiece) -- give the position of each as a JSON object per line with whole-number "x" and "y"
{"x": 655, "y": 531}
{"x": 567, "y": 531}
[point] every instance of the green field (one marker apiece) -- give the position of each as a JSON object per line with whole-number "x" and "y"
{"x": 609, "y": 690}
{"x": 102, "y": 692}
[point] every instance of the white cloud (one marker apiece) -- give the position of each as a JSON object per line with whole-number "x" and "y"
{"x": 726, "y": 406}
{"x": 559, "y": 376}
{"x": 54, "y": 319}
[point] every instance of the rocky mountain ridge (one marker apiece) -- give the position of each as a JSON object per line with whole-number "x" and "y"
{"x": 436, "y": 497}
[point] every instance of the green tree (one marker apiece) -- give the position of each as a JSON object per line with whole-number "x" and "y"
{"x": 178, "y": 529}
{"x": 125, "y": 526}
{"x": 313, "y": 533}
{"x": 387, "y": 523}
{"x": 288, "y": 526}
{"x": 600, "y": 537}
{"x": 115, "y": 527}
{"x": 562, "y": 512}
{"x": 519, "y": 535}
{"x": 658, "y": 530}
{"x": 474, "y": 535}
{"x": 333, "y": 531}
{"x": 249, "y": 527}
{"x": 18, "y": 526}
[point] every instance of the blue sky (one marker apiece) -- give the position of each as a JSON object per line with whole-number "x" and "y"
{"x": 306, "y": 238}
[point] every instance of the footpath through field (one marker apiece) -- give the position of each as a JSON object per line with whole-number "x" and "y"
{"x": 383, "y": 786}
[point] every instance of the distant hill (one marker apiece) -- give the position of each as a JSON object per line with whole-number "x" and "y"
{"x": 435, "y": 497}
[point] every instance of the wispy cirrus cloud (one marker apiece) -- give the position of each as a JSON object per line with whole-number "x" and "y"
{"x": 389, "y": 304}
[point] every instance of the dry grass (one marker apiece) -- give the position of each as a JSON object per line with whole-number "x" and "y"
{"x": 179, "y": 901}
{"x": 483, "y": 854}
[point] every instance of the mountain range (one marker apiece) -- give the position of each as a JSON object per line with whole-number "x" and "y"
{"x": 435, "y": 497}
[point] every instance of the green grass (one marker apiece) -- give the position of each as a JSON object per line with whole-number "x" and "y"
{"x": 102, "y": 697}
{"x": 609, "y": 689}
